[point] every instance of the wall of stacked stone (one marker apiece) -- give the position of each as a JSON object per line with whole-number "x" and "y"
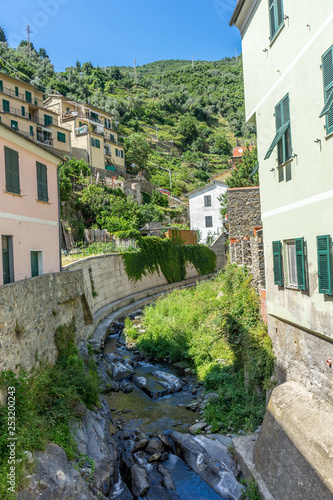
{"x": 258, "y": 260}
{"x": 244, "y": 211}
{"x": 30, "y": 312}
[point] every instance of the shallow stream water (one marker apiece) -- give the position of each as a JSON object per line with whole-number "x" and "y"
{"x": 137, "y": 410}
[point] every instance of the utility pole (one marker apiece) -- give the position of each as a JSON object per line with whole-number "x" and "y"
{"x": 135, "y": 72}
{"x": 28, "y": 30}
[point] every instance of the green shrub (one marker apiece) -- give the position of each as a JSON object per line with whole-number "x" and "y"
{"x": 222, "y": 337}
{"x": 46, "y": 402}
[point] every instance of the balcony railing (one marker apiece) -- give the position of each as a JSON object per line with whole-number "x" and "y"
{"x": 26, "y": 116}
{"x": 45, "y": 139}
{"x": 19, "y": 95}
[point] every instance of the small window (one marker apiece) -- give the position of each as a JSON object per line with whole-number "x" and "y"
{"x": 14, "y": 124}
{"x": 1, "y": 86}
{"x": 16, "y": 91}
{"x": 5, "y": 105}
{"x": 48, "y": 120}
{"x": 122, "y": 153}
{"x": 61, "y": 137}
{"x": 112, "y": 137}
{"x": 36, "y": 259}
{"x": 208, "y": 201}
{"x": 275, "y": 16}
{"x": 117, "y": 152}
{"x": 97, "y": 143}
{"x": 28, "y": 96}
{"x": 209, "y": 221}
{"x": 282, "y": 137}
{"x": 31, "y": 130}
{"x": 23, "y": 110}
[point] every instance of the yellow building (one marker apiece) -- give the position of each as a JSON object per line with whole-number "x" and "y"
{"x": 21, "y": 108}
{"x": 94, "y": 133}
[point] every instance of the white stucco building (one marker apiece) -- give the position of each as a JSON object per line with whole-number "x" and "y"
{"x": 205, "y": 209}
{"x": 288, "y": 76}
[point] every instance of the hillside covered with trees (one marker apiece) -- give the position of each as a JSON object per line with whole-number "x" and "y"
{"x": 185, "y": 118}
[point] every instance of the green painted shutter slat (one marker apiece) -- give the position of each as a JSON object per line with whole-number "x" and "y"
{"x": 16, "y": 91}
{"x": 277, "y": 263}
{"x": 122, "y": 153}
{"x": 285, "y": 110}
{"x": 329, "y": 103}
{"x": 5, "y": 105}
{"x": 23, "y": 110}
{"x": 327, "y": 66}
{"x": 276, "y": 139}
{"x": 28, "y": 96}
{"x": 42, "y": 181}
{"x": 272, "y": 16}
{"x": 31, "y": 130}
{"x": 324, "y": 264}
{"x": 300, "y": 263}
{"x": 278, "y": 116}
{"x": 48, "y": 120}
{"x": 12, "y": 171}
{"x": 279, "y": 12}
{"x": 61, "y": 137}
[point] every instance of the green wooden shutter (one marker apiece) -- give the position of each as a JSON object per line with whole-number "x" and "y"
{"x": 31, "y": 130}
{"x": 277, "y": 263}
{"x": 5, "y": 105}
{"x": 12, "y": 171}
{"x": 42, "y": 181}
{"x": 279, "y": 13}
{"x": 1, "y": 86}
{"x": 48, "y": 120}
{"x": 300, "y": 263}
{"x": 122, "y": 153}
{"x": 14, "y": 124}
{"x": 272, "y": 16}
{"x": 327, "y": 66}
{"x": 61, "y": 137}
{"x": 16, "y": 91}
{"x": 28, "y": 96}
{"x": 324, "y": 264}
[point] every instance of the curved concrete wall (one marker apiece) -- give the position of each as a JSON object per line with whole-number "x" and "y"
{"x": 106, "y": 280}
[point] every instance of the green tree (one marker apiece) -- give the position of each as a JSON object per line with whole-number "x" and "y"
{"x": 221, "y": 144}
{"x": 137, "y": 151}
{"x": 241, "y": 174}
{"x": 3, "y": 37}
{"x": 70, "y": 172}
{"x": 188, "y": 129}
{"x": 42, "y": 53}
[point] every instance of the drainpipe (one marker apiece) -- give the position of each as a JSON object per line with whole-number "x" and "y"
{"x": 59, "y": 223}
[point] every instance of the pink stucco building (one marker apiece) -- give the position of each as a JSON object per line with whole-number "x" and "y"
{"x": 29, "y": 208}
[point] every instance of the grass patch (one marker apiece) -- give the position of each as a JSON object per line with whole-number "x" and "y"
{"x": 222, "y": 337}
{"x": 46, "y": 402}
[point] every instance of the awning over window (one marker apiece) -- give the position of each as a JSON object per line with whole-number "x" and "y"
{"x": 255, "y": 170}
{"x": 276, "y": 139}
{"x": 328, "y": 106}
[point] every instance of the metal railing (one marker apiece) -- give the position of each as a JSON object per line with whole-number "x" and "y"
{"x": 25, "y": 116}
{"x": 19, "y": 95}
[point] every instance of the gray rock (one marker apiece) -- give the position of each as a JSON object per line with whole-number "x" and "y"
{"x": 165, "y": 441}
{"x": 167, "y": 480}
{"x": 155, "y": 457}
{"x": 155, "y": 446}
{"x": 126, "y": 387}
{"x": 139, "y": 481}
{"x": 194, "y": 429}
{"x": 55, "y": 478}
{"x": 211, "y": 461}
{"x": 140, "y": 445}
{"x": 93, "y": 440}
{"x": 117, "y": 368}
{"x": 170, "y": 381}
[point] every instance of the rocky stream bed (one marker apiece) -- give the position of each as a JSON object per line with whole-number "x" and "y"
{"x": 147, "y": 440}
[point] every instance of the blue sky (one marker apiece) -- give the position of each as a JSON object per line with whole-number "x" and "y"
{"x": 110, "y": 32}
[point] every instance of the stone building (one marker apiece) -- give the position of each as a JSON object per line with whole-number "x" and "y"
{"x": 246, "y": 236}
{"x": 288, "y": 76}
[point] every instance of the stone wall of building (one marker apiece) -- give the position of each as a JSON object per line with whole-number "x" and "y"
{"x": 30, "y": 312}
{"x": 244, "y": 212}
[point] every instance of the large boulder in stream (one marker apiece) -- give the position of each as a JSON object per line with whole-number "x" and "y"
{"x": 117, "y": 368}
{"x": 169, "y": 381}
{"x": 139, "y": 480}
{"x": 211, "y": 460}
{"x": 93, "y": 439}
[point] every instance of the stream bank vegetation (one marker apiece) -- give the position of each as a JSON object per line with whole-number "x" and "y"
{"x": 215, "y": 329}
{"x": 47, "y": 400}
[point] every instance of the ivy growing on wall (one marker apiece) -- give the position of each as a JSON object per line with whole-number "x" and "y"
{"x": 169, "y": 257}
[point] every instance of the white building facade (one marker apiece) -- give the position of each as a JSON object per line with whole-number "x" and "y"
{"x": 288, "y": 75}
{"x": 205, "y": 210}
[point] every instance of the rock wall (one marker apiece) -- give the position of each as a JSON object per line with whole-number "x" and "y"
{"x": 30, "y": 312}
{"x": 244, "y": 211}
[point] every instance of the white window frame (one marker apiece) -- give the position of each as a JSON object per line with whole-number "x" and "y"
{"x": 290, "y": 263}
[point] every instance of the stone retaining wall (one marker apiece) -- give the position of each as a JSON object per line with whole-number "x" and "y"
{"x": 30, "y": 312}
